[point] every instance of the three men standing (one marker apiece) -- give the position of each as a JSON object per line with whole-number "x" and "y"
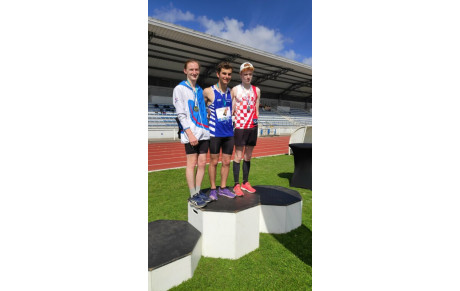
{"x": 213, "y": 128}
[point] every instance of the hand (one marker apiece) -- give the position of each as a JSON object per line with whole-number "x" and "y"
{"x": 193, "y": 141}
{"x": 191, "y": 138}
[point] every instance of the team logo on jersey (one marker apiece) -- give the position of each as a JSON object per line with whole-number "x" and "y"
{"x": 197, "y": 116}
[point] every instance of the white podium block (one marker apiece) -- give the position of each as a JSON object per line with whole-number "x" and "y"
{"x": 227, "y": 228}
{"x": 171, "y": 275}
{"x": 280, "y": 219}
{"x": 229, "y": 235}
{"x": 230, "y": 227}
{"x": 280, "y": 209}
{"x": 174, "y": 252}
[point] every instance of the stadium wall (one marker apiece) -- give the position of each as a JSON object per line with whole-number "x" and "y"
{"x": 163, "y": 133}
{"x": 160, "y": 95}
{"x": 171, "y": 133}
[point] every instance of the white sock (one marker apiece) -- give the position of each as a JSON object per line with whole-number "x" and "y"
{"x": 192, "y": 192}
{"x": 197, "y": 189}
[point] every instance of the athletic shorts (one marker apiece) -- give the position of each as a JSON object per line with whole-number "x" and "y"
{"x": 245, "y": 137}
{"x": 224, "y": 143}
{"x": 201, "y": 148}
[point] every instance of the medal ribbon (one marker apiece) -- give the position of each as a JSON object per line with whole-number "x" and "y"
{"x": 195, "y": 100}
{"x": 248, "y": 97}
{"x": 224, "y": 95}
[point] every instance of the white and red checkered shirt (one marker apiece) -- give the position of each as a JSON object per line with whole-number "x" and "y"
{"x": 244, "y": 118}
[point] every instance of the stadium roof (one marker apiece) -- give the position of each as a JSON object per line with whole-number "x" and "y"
{"x": 171, "y": 45}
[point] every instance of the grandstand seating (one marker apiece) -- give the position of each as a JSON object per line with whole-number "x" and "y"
{"x": 297, "y": 117}
{"x": 160, "y": 108}
{"x": 162, "y": 116}
{"x": 162, "y": 120}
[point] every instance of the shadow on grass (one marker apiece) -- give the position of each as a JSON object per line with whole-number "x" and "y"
{"x": 286, "y": 175}
{"x": 298, "y": 241}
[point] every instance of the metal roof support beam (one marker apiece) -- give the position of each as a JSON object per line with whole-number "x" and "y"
{"x": 194, "y": 54}
{"x": 295, "y": 87}
{"x": 157, "y": 45}
{"x": 271, "y": 76}
{"x": 151, "y": 35}
{"x": 218, "y": 52}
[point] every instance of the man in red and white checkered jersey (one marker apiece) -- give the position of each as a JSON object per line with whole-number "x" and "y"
{"x": 245, "y": 101}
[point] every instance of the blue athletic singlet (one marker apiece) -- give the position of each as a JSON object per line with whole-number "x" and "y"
{"x": 220, "y": 121}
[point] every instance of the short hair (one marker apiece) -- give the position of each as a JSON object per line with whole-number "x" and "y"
{"x": 246, "y": 66}
{"x": 223, "y": 65}
{"x": 191, "y": 61}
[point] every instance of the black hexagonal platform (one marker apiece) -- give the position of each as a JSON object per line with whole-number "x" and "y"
{"x": 265, "y": 195}
{"x": 170, "y": 240}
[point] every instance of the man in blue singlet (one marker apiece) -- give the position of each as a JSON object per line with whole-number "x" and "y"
{"x": 219, "y": 101}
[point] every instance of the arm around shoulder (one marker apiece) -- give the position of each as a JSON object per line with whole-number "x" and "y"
{"x": 208, "y": 95}
{"x": 258, "y": 100}
{"x": 233, "y": 94}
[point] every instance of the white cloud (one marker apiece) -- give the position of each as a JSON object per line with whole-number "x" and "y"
{"x": 173, "y": 15}
{"x": 212, "y": 27}
{"x": 307, "y": 61}
{"x": 259, "y": 37}
{"x": 290, "y": 54}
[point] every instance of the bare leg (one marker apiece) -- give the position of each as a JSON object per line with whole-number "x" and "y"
{"x": 201, "y": 169}
{"x": 190, "y": 170}
{"x": 238, "y": 153}
{"x": 214, "y": 159}
{"x": 224, "y": 170}
{"x": 248, "y": 153}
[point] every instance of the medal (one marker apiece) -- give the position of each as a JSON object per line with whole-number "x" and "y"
{"x": 249, "y": 108}
{"x": 195, "y": 92}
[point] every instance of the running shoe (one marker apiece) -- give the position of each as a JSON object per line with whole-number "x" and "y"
{"x": 213, "y": 194}
{"x": 204, "y": 197}
{"x": 196, "y": 201}
{"x": 246, "y": 186}
{"x": 225, "y": 192}
{"x": 237, "y": 190}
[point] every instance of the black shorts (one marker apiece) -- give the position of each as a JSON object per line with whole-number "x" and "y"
{"x": 201, "y": 148}
{"x": 224, "y": 143}
{"x": 245, "y": 137}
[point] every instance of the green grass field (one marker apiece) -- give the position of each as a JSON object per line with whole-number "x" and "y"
{"x": 282, "y": 261}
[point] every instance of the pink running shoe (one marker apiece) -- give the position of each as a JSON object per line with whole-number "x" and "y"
{"x": 246, "y": 186}
{"x": 237, "y": 190}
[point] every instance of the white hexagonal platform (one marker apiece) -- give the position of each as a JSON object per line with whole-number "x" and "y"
{"x": 230, "y": 227}
{"x": 280, "y": 209}
{"x": 174, "y": 252}
{"x": 229, "y": 235}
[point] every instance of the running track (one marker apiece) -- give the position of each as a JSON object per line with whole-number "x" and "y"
{"x": 167, "y": 155}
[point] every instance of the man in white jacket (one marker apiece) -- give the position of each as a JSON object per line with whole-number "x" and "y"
{"x": 191, "y": 112}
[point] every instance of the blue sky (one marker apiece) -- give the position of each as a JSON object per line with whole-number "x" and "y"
{"x": 283, "y": 28}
